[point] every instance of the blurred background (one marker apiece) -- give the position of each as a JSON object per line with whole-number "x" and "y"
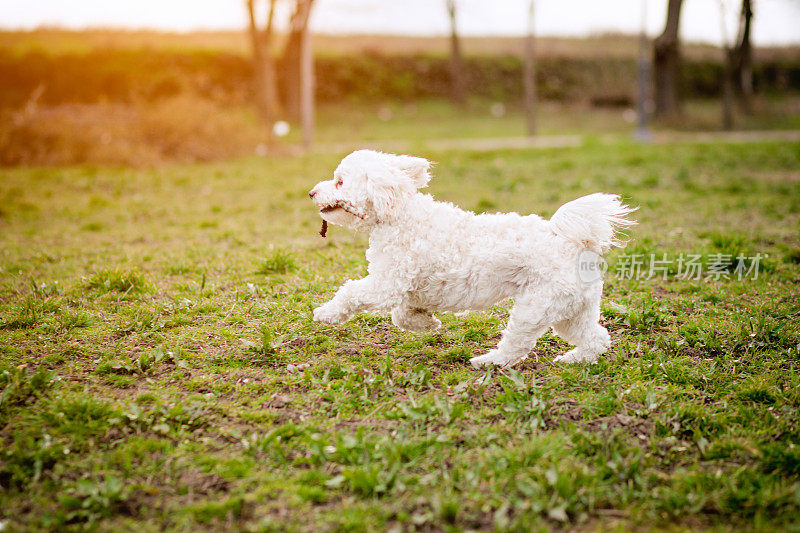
{"x": 149, "y": 82}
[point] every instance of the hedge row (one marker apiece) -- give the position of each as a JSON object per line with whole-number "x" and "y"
{"x": 130, "y": 75}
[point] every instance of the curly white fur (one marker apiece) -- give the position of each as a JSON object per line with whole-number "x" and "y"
{"x": 429, "y": 256}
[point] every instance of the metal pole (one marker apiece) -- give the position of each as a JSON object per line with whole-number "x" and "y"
{"x": 307, "y": 87}
{"x": 642, "y": 129}
{"x": 530, "y": 72}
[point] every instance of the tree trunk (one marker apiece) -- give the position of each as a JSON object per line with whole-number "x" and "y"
{"x": 266, "y": 93}
{"x": 742, "y": 59}
{"x": 727, "y": 91}
{"x": 727, "y": 73}
{"x": 289, "y": 64}
{"x": 666, "y": 63}
{"x": 457, "y": 90}
{"x": 530, "y": 73}
{"x": 642, "y": 131}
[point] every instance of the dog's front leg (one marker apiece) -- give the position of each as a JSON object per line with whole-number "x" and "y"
{"x": 356, "y": 296}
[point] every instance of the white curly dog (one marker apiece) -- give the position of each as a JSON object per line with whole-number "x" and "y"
{"x": 429, "y": 256}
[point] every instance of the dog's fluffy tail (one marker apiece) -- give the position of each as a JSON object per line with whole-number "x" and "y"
{"x": 593, "y": 222}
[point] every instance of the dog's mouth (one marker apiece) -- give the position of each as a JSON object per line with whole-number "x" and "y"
{"x": 341, "y": 207}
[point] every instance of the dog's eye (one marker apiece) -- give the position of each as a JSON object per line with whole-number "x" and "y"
{"x": 338, "y": 183}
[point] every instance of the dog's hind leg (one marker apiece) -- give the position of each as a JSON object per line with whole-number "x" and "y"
{"x": 414, "y": 319}
{"x": 584, "y": 331}
{"x": 525, "y": 325}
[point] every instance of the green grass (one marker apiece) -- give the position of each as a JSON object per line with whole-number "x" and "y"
{"x": 146, "y": 379}
{"x": 437, "y": 119}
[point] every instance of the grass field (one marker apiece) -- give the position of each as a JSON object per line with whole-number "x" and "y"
{"x": 160, "y": 371}
{"x": 432, "y": 119}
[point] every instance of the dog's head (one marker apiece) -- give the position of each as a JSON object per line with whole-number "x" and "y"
{"x": 369, "y": 188}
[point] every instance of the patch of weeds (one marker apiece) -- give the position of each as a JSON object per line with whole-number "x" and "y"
{"x": 607, "y": 403}
{"x": 118, "y": 381}
{"x": 268, "y": 349}
{"x": 370, "y": 480}
{"x": 781, "y": 458}
{"x": 439, "y": 409}
{"x": 27, "y": 316}
{"x": 54, "y": 358}
{"x": 712, "y": 298}
{"x": 143, "y": 320}
{"x": 177, "y": 321}
{"x": 333, "y": 373}
{"x": 18, "y": 387}
{"x": 91, "y": 500}
{"x": 518, "y": 401}
{"x": 312, "y": 493}
{"x": 370, "y": 320}
{"x": 77, "y": 415}
{"x": 691, "y": 421}
{"x": 728, "y": 242}
{"x": 792, "y": 256}
{"x": 44, "y": 290}
{"x": 117, "y": 280}
{"x": 459, "y": 354}
{"x": 279, "y": 262}
{"x": 705, "y": 339}
{"x": 27, "y": 455}
{"x": 647, "y": 317}
{"x": 417, "y": 378}
{"x": 146, "y": 363}
{"x": 727, "y": 449}
{"x": 62, "y": 426}
{"x": 230, "y": 509}
{"x": 70, "y": 320}
{"x": 373, "y": 466}
{"x": 163, "y": 418}
{"x": 278, "y": 442}
{"x": 756, "y": 395}
{"x": 747, "y": 493}
{"x": 764, "y": 333}
{"x": 476, "y": 334}
{"x": 676, "y": 371}
{"x": 446, "y": 508}
{"x": 146, "y": 398}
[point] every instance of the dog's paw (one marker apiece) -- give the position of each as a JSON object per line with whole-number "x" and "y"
{"x": 495, "y": 357}
{"x": 481, "y": 361}
{"x": 576, "y": 356}
{"x": 328, "y": 314}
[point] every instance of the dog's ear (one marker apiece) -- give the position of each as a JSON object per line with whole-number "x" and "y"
{"x": 385, "y": 190}
{"x": 416, "y": 168}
